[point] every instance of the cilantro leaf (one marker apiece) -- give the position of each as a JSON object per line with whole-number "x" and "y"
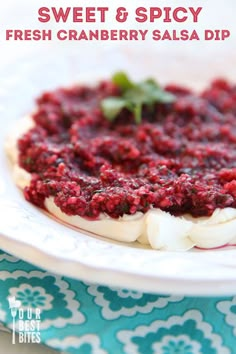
{"x": 122, "y": 81}
{"x": 133, "y": 97}
{"x": 112, "y": 106}
{"x": 154, "y": 93}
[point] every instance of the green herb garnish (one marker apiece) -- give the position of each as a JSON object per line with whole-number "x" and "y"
{"x": 28, "y": 161}
{"x": 133, "y": 97}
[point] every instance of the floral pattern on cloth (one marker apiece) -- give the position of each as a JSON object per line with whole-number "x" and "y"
{"x": 177, "y": 344}
{"x": 122, "y": 302}
{"x": 32, "y": 297}
{"x": 80, "y": 318}
{"x": 162, "y": 337}
{"x": 228, "y": 308}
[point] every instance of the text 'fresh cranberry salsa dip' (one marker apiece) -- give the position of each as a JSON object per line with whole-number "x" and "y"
{"x": 134, "y": 161}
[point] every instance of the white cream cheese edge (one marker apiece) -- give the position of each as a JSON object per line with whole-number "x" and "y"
{"x": 157, "y": 228}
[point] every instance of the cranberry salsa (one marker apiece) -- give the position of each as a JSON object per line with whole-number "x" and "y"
{"x": 174, "y": 150}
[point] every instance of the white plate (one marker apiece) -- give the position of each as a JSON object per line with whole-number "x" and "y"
{"x": 30, "y": 234}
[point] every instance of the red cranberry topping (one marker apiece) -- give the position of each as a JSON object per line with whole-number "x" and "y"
{"x": 181, "y": 158}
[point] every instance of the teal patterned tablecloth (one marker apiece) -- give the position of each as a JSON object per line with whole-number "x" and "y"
{"x": 81, "y": 318}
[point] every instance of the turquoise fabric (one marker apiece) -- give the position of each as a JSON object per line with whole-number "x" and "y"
{"x": 81, "y": 318}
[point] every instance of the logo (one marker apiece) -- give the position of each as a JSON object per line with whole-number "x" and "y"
{"x": 25, "y": 321}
